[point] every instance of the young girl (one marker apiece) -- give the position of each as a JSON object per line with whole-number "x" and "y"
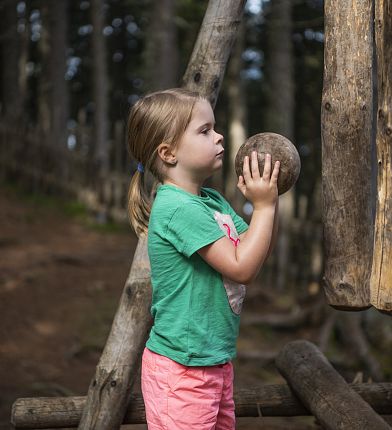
{"x": 201, "y": 254}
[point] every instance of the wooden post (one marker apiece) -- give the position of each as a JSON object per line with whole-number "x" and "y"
{"x": 213, "y": 46}
{"x": 109, "y": 391}
{"x": 346, "y": 152}
{"x": 323, "y": 391}
{"x": 381, "y": 278}
{"x": 265, "y": 400}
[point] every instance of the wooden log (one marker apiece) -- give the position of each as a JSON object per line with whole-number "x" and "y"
{"x": 265, "y": 400}
{"x": 381, "y": 277}
{"x": 109, "y": 391}
{"x": 207, "y": 64}
{"x": 346, "y": 118}
{"x": 323, "y": 391}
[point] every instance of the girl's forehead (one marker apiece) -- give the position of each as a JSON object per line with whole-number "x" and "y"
{"x": 202, "y": 112}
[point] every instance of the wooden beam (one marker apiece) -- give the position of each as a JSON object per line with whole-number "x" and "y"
{"x": 109, "y": 392}
{"x": 323, "y": 391}
{"x": 265, "y": 400}
{"x": 381, "y": 278}
{"x": 346, "y": 127}
{"x": 216, "y": 37}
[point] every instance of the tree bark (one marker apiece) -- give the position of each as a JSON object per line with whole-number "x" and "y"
{"x": 265, "y": 400}
{"x": 381, "y": 277}
{"x": 280, "y": 115}
{"x": 101, "y": 84}
{"x": 323, "y": 391}
{"x": 346, "y": 153}
{"x": 57, "y": 65}
{"x": 162, "y": 47}
{"x": 237, "y": 118}
{"x": 207, "y": 65}
{"x": 10, "y": 44}
{"x": 109, "y": 390}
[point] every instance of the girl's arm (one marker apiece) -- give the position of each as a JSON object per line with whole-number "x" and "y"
{"x": 275, "y": 229}
{"x": 242, "y": 263}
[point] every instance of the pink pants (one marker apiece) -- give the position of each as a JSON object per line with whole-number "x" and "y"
{"x": 179, "y": 397}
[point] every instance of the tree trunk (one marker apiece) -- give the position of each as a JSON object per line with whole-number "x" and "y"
{"x": 10, "y": 44}
{"x": 381, "y": 277}
{"x": 162, "y": 47}
{"x": 323, "y": 391}
{"x": 57, "y": 65}
{"x": 108, "y": 394}
{"x": 280, "y": 115}
{"x": 346, "y": 152}
{"x": 206, "y": 67}
{"x": 265, "y": 400}
{"x": 100, "y": 95}
{"x": 44, "y": 84}
{"x": 237, "y": 118}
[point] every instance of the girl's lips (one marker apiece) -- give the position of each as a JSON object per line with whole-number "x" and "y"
{"x": 220, "y": 153}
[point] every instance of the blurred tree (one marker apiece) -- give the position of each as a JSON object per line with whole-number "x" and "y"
{"x": 101, "y": 85}
{"x": 59, "y": 97}
{"x": 162, "y": 47}
{"x": 10, "y": 50}
{"x": 279, "y": 116}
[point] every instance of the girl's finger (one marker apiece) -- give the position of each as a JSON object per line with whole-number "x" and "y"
{"x": 255, "y": 166}
{"x": 275, "y": 173}
{"x": 246, "y": 170}
{"x": 267, "y": 167}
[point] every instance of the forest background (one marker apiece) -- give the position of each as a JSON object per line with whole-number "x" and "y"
{"x": 69, "y": 72}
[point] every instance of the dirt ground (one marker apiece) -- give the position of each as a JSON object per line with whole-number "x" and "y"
{"x": 60, "y": 281}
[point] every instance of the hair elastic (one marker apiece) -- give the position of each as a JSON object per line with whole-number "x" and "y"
{"x": 140, "y": 167}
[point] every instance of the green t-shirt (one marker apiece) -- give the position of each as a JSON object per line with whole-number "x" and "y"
{"x": 195, "y": 309}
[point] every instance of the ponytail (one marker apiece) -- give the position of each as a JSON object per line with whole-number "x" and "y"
{"x": 139, "y": 204}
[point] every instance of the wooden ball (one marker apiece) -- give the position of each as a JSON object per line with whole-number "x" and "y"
{"x": 281, "y": 149}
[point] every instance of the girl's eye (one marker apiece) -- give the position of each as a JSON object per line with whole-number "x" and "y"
{"x": 205, "y": 131}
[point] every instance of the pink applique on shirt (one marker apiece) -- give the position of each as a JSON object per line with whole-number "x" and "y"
{"x": 235, "y": 291}
{"x": 228, "y": 229}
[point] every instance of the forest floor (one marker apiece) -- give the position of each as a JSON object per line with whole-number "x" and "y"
{"x": 61, "y": 277}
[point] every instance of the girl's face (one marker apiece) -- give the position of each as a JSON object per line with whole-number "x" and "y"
{"x": 200, "y": 150}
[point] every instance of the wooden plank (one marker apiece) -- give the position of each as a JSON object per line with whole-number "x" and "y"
{"x": 323, "y": 391}
{"x": 381, "y": 278}
{"x": 266, "y": 400}
{"x": 346, "y": 125}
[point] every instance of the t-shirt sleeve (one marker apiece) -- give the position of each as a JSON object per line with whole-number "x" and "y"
{"x": 191, "y": 227}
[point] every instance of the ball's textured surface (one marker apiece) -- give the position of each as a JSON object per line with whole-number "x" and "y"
{"x": 281, "y": 149}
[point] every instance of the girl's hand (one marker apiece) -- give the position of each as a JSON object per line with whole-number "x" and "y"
{"x": 261, "y": 191}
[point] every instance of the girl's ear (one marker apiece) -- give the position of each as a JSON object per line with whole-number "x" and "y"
{"x": 166, "y": 154}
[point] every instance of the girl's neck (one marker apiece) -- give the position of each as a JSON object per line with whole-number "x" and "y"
{"x": 190, "y": 187}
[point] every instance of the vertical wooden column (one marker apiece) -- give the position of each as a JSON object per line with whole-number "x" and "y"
{"x": 109, "y": 392}
{"x": 381, "y": 278}
{"x": 346, "y": 126}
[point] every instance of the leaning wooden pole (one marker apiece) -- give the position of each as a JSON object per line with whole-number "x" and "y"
{"x": 109, "y": 391}
{"x": 346, "y": 125}
{"x": 381, "y": 278}
{"x": 323, "y": 391}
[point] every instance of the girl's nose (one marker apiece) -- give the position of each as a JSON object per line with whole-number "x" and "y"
{"x": 219, "y": 138}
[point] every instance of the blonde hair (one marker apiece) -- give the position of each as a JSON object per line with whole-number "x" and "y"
{"x": 158, "y": 117}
